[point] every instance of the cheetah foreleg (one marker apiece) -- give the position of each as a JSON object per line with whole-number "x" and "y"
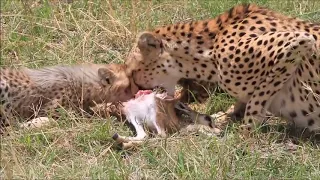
{"x": 236, "y": 112}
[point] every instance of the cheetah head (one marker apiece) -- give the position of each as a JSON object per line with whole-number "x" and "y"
{"x": 153, "y": 64}
{"x": 117, "y": 82}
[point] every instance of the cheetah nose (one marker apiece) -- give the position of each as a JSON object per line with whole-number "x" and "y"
{"x": 141, "y": 88}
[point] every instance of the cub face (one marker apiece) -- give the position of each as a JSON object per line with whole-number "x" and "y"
{"x": 117, "y": 82}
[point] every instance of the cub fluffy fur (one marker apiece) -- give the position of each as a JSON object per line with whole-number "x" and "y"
{"x": 31, "y": 93}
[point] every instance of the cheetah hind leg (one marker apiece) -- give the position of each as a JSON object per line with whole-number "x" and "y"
{"x": 284, "y": 66}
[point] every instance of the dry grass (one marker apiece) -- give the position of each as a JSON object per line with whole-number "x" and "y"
{"x": 38, "y": 33}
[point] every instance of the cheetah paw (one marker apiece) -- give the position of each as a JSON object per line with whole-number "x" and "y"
{"x": 218, "y": 115}
{"x": 37, "y": 123}
{"x": 246, "y": 129}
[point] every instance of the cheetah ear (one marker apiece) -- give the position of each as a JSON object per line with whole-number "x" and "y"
{"x": 147, "y": 42}
{"x": 107, "y": 76}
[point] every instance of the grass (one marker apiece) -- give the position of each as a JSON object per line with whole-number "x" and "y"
{"x": 39, "y": 33}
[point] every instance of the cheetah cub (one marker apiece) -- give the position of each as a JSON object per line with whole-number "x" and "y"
{"x": 160, "y": 114}
{"x": 35, "y": 93}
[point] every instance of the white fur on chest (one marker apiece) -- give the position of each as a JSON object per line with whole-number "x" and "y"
{"x": 142, "y": 110}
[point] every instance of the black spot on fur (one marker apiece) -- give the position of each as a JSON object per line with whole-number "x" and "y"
{"x": 304, "y": 113}
{"x": 208, "y": 118}
{"x": 293, "y": 114}
{"x": 310, "y": 122}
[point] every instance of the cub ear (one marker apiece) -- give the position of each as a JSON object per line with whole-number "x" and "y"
{"x": 148, "y": 42}
{"x": 107, "y": 76}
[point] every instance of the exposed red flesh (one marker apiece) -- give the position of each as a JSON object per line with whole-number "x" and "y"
{"x": 143, "y": 92}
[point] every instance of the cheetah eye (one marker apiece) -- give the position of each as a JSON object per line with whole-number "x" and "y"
{"x": 161, "y": 44}
{"x": 127, "y": 90}
{"x": 161, "y": 47}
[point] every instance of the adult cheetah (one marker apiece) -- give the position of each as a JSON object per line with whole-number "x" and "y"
{"x": 266, "y": 60}
{"x": 31, "y": 93}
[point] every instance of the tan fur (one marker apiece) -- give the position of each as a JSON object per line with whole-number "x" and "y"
{"x": 166, "y": 117}
{"x": 266, "y": 60}
{"x": 29, "y": 93}
{"x": 158, "y": 113}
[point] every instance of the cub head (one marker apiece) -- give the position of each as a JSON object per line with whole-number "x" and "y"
{"x": 153, "y": 64}
{"x": 117, "y": 82}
